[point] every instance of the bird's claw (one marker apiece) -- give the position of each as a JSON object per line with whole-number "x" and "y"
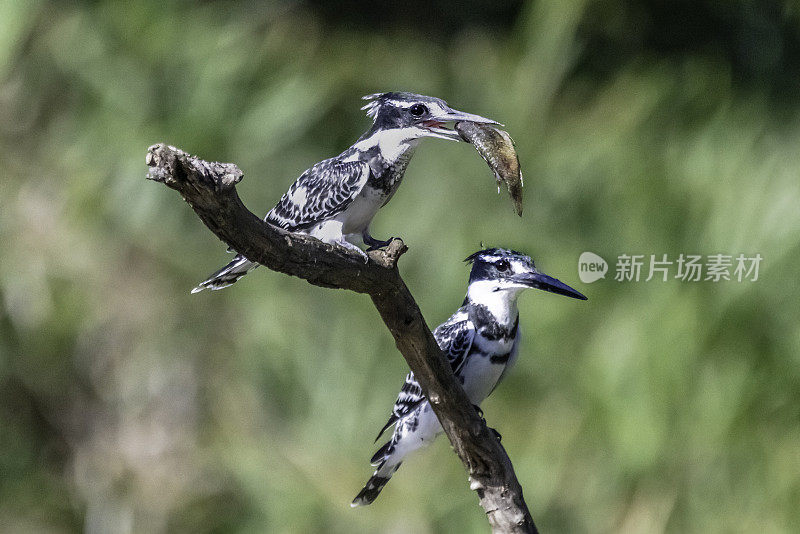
{"x": 378, "y": 244}
{"x": 479, "y": 411}
{"x": 374, "y": 244}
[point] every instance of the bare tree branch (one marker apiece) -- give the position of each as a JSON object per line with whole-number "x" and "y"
{"x": 209, "y": 188}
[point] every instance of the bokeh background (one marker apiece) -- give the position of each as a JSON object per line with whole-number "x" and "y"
{"x": 129, "y": 405}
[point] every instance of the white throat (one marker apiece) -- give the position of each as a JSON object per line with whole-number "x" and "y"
{"x": 393, "y": 143}
{"x": 502, "y": 303}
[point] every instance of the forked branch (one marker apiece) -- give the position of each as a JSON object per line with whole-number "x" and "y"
{"x": 209, "y": 188}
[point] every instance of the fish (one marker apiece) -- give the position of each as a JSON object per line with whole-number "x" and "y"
{"x": 496, "y": 147}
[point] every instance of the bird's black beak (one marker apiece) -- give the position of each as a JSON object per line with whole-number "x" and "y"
{"x": 436, "y": 126}
{"x": 546, "y": 283}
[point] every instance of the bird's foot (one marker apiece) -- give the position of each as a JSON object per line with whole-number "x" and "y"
{"x": 480, "y": 414}
{"x": 375, "y": 244}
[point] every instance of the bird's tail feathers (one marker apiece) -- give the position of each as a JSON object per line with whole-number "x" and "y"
{"x": 375, "y": 484}
{"x": 382, "y": 454}
{"x": 228, "y": 275}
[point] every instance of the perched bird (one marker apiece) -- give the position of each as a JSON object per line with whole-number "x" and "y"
{"x": 481, "y": 341}
{"x": 336, "y": 199}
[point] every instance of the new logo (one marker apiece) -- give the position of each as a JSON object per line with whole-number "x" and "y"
{"x": 591, "y": 267}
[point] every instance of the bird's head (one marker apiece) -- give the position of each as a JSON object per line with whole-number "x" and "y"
{"x": 497, "y": 270}
{"x": 417, "y": 115}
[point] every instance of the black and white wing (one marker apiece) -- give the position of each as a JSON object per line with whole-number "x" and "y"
{"x": 454, "y": 337}
{"x": 322, "y": 192}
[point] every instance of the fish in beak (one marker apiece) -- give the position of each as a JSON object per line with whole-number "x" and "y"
{"x": 437, "y": 126}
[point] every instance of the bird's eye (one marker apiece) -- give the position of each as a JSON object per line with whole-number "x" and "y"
{"x": 418, "y": 110}
{"x": 502, "y": 266}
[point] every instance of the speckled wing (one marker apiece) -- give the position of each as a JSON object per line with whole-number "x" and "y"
{"x": 455, "y": 338}
{"x": 322, "y": 192}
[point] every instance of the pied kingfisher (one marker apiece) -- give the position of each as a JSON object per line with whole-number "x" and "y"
{"x": 481, "y": 341}
{"x": 336, "y": 199}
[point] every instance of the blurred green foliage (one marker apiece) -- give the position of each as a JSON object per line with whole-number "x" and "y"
{"x": 129, "y": 405}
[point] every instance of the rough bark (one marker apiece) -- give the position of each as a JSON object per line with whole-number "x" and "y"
{"x": 209, "y": 188}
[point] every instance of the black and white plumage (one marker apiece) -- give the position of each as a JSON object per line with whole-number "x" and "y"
{"x": 336, "y": 199}
{"x": 481, "y": 341}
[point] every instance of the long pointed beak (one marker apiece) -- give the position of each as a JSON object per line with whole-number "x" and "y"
{"x": 457, "y": 116}
{"x": 547, "y": 283}
{"x": 436, "y": 126}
